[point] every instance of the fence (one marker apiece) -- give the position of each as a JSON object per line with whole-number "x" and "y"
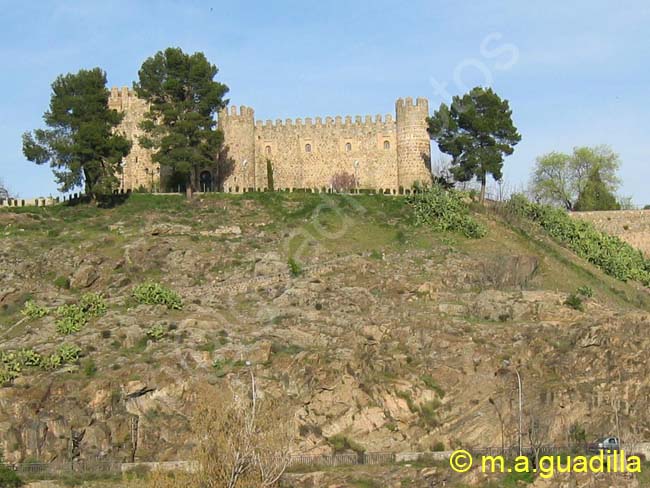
{"x": 328, "y": 460}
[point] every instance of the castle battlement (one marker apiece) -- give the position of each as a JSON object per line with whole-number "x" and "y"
{"x": 359, "y": 121}
{"x": 387, "y": 152}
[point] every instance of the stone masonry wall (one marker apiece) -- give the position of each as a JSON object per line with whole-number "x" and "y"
{"x": 633, "y": 226}
{"x": 308, "y": 154}
{"x": 138, "y": 169}
{"x": 381, "y": 152}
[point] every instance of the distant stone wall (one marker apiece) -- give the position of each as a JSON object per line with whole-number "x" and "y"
{"x": 633, "y": 226}
{"x": 36, "y": 202}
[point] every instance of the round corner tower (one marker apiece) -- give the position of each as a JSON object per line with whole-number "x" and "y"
{"x": 238, "y": 155}
{"x": 413, "y": 143}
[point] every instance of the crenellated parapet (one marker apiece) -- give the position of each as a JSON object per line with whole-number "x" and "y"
{"x": 369, "y": 122}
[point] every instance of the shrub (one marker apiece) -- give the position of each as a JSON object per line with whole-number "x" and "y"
{"x": 66, "y": 354}
{"x": 438, "y": 447}
{"x": 62, "y": 282}
{"x": 9, "y": 478}
{"x": 156, "y": 332}
{"x": 575, "y": 302}
{"x": 339, "y": 443}
{"x": 70, "y": 319}
{"x": 343, "y": 181}
{"x": 12, "y": 364}
{"x": 428, "y": 412}
{"x": 29, "y": 357}
{"x": 34, "y": 311}
{"x": 93, "y": 304}
{"x": 432, "y": 385}
{"x": 151, "y": 293}
{"x": 445, "y": 211}
{"x": 90, "y": 368}
{"x": 611, "y": 254}
{"x": 585, "y": 291}
{"x": 294, "y": 267}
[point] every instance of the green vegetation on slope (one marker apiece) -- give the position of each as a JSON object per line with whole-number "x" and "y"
{"x": 611, "y": 254}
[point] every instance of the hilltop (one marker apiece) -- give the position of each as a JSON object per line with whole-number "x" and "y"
{"x": 382, "y": 335}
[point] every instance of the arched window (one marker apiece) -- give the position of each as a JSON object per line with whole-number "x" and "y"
{"x": 386, "y": 144}
{"x": 348, "y": 147}
{"x": 268, "y": 149}
{"x": 308, "y": 148}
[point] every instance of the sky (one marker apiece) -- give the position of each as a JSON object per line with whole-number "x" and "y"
{"x": 575, "y": 73}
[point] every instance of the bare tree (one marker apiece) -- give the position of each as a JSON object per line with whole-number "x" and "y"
{"x": 243, "y": 441}
{"x": 343, "y": 181}
{"x": 539, "y": 430}
{"x": 4, "y": 191}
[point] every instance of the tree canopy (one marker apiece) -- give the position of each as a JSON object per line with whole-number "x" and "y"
{"x": 81, "y": 144}
{"x": 184, "y": 99}
{"x": 596, "y": 195}
{"x": 477, "y": 131}
{"x": 561, "y": 179}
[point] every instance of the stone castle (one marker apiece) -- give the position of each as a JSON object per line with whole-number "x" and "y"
{"x": 383, "y": 154}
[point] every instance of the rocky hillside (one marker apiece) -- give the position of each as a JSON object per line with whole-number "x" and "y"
{"x": 381, "y": 335}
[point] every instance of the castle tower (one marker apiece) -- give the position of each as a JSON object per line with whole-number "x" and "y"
{"x": 413, "y": 143}
{"x": 138, "y": 170}
{"x": 238, "y": 157}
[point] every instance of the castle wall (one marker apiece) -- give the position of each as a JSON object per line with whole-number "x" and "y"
{"x": 381, "y": 152}
{"x": 633, "y": 226}
{"x": 307, "y": 154}
{"x": 138, "y": 170}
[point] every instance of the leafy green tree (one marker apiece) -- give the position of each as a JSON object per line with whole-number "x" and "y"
{"x": 81, "y": 143}
{"x": 596, "y": 196}
{"x": 477, "y": 131}
{"x": 180, "y": 125}
{"x": 560, "y": 179}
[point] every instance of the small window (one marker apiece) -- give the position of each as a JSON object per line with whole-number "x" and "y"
{"x": 268, "y": 149}
{"x": 308, "y": 148}
{"x": 348, "y": 147}
{"x": 386, "y": 144}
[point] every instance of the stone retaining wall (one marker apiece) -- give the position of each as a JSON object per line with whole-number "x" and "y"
{"x": 633, "y": 226}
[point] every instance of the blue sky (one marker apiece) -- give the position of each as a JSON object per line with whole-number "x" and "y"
{"x": 575, "y": 73}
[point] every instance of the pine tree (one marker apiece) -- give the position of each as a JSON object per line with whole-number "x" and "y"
{"x": 477, "y": 131}
{"x": 180, "y": 125}
{"x": 81, "y": 144}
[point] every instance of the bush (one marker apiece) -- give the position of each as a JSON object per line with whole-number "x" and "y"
{"x": 611, "y": 254}
{"x": 151, "y": 293}
{"x": 93, "y": 304}
{"x": 70, "y": 319}
{"x": 12, "y": 364}
{"x": 34, "y": 311}
{"x": 66, "y": 354}
{"x": 62, "y": 282}
{"x": 294, "y": 267}
{"x": 156, "y": 332}
{"x": 9, "y": 478}
{"x": 445, "y": 211}
{"x": 575, "y": 302}
{"x": 585, "y": 291}
{"x": 90, "y": 368}
{"x": 343, "y": 181}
